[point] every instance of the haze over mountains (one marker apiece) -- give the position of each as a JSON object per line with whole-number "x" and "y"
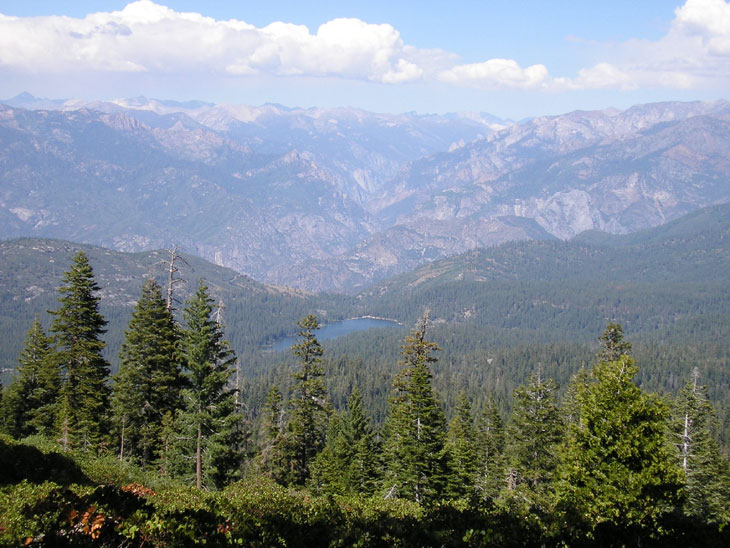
{"x": 336, "y": 199}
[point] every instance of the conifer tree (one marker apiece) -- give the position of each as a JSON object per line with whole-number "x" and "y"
{"x": 29, "y": 406}
{"x": 613, "y": 344}
{"x": 77, "y": 329}
{"x": 490, "y": 451}
{"x": 462, "y": 449}
{"x": 364, "y": 467}
{"x": 533, "y": 435}
{"x": 271, "y": 460}
{"x": 349, "y": 462}
{"x": 209, "y": 422}
{"x": 706, "y": 472}
{"x": 147, "y": 387}
{"x": 415, "y": 429}
{"x": 310, "y": 408}
{"x": 616, "y": 472}
{"x": 328, "y": 470}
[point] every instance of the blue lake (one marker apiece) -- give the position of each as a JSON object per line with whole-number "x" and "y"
{"x": 338, "y": 329}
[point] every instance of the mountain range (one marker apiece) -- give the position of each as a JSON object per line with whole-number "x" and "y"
{"x": 658, "y": 283}
{"x": 337, "y": 199}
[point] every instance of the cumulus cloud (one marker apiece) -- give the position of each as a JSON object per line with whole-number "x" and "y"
{"x": 497, "y": 73}
{"x": 708, "y": 19}
{"x": 695, "y": 53}
{"x": 600, "y": 76}
{"x": 148, "y": 38}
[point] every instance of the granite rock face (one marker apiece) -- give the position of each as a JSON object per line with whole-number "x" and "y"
{"x": 334, "y": 199}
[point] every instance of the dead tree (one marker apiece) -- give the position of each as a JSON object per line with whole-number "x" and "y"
{"x": 172, "y": 272}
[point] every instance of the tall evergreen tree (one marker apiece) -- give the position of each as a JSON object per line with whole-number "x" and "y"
{"x": 613, "y": 344}
{"x": 706, "y": 472}
{"x": 533, "y": 434}
{"x": 272, "y": 460}
{"x": 149, "y": 381}
{"x": 415, "y": 428}
{"x": 29, "y": 406}
{"x": 349, "y": 462}
{"x": 616, "y": 472}
{"x": 310, "y": 408}
{"x": 490, "y": 451}
{"x": 209, "y": 422}
{"x": 364, "y": 465}
{"x": 461, "y": 448}
{"x": 77, "y": 328}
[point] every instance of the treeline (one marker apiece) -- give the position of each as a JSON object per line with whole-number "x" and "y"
{"x": 602, "y": 463}
{"x": 32, "y": 268}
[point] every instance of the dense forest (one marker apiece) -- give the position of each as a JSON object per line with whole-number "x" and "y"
{"x": 184, "y": 445}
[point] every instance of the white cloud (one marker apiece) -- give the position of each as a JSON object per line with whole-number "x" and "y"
{"x": 151, "y": 38}
{"x": 600, "y": 76}
{"x": 694, "y": 54}
{"x": 148, "y": 38}
{"x": 145, "y": 36}
{"x": 497, "y": 73}
{"x": 709, "y": 19}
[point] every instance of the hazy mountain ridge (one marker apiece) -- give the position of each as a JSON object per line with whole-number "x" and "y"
{"x": 693, "y": 248}
{"x": 338, "y": 198}
{"x": 653, "y": 281}
{"x": 657, "y": 283}
{"x": 32, "y": 269}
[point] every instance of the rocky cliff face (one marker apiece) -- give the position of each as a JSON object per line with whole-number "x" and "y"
{"x": 333, "y": 199}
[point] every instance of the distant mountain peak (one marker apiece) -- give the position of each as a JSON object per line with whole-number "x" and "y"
{"x": 336, "y": 198}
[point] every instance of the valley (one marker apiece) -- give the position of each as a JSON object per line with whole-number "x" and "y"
{"x": 336, "y": 199}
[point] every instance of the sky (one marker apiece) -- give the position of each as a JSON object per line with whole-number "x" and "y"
{"x": 512, "y": 59}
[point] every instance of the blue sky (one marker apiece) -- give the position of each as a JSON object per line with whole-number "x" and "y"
{"x": 511, "y": 59}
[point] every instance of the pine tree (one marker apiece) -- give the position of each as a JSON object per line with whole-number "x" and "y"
{"x": 149, "y": 381}
{"x": 533, "y": 434}
{"x": 616, "y": 473}
{"x": 415, "y": 429}
{"x": 706, "y": 472}
{"x": 613, "y": 344}
{"x": 461, "y": 448}
{"x": 310, "y": 408}
{"x": 364, "y": 468}
{"x": 490, "y": 451}
{"x": 349, "y": 462}
{"x": 272, "y": 460}
{"x": 77, "y": 329}
{"x": 328, "y": 470}
{"x": 209, "y": 422}
{"x": 29, "y": 405}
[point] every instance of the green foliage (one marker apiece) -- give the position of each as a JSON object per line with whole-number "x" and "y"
{"x": 415, "y": 429}
{"x": 147, "y": 387}
{"x": 272, "y": 461}
{"x": 24, "y": 461}
{"x": 29, "y": 406}
{"x": 489, "y": 436}
{"x": 616, "y": 473}
{"x": 210, "y": 431}
{"x": 350, "y": 461}
{"x": 706, "y": 472}
{"x": 77, "y": 329}
{"x": 462, "y": 450}
{"x": 613, "y": 344}
{"x": 533, "y": 434}
{"x": 310, "y": 408}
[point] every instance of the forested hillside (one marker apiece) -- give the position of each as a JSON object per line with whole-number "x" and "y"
{"x": 111, "y": 461}
{"x": 496, "y": 312}
{"x": 31, "y": 269}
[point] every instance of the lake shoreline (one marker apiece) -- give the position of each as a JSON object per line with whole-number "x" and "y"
{"x": 337, "y": 329}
